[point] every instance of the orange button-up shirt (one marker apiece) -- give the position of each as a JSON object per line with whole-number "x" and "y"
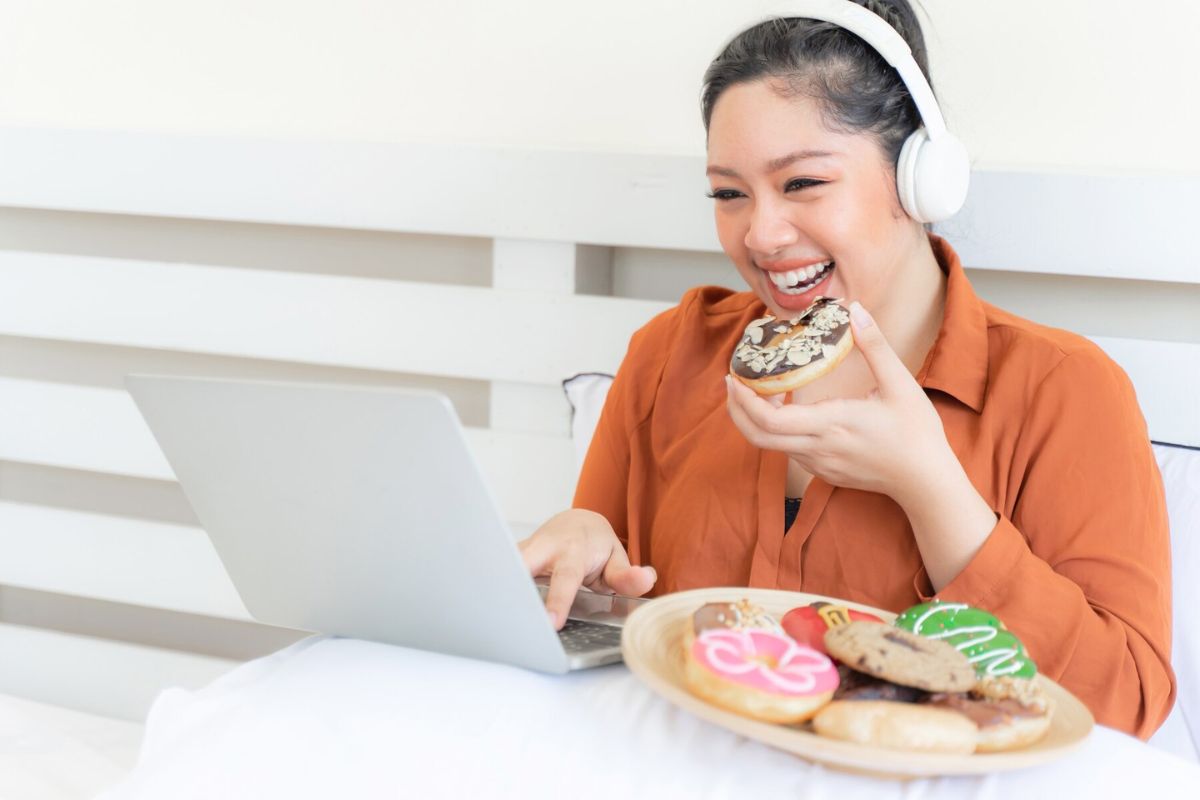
{"x": 1046, "y": 426}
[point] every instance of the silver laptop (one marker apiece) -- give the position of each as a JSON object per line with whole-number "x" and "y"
{"x": 361, "y": 512}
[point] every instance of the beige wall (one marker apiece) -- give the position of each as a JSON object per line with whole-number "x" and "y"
{"x": 1066, "y": 84}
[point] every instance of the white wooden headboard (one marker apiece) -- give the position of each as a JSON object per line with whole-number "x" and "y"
{"x": 106, "y": 608}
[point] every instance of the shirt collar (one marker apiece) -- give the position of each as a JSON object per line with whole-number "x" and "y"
{"x": 957, "y": 364}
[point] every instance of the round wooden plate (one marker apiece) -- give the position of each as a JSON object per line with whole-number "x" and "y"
{"x": 651, "y": 645}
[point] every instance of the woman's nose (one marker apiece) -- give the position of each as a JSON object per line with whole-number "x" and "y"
{"x": 770, "y": 230}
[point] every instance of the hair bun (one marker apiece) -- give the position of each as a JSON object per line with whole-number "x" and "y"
{"x": 897, "y": 13}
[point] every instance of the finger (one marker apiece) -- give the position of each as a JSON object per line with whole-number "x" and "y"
{"x": 617, "y": 562}
{"x": 565, "y": 581}
{"x": 889, "y": 371}
{"x": 785, "y": 420}
{"x": 635, "y": 581}
{"x": 765, "y": 439}
{"x": 599, "y": 586}
{"x": 737, "y": 415}
{"x": 625, "y": 579}
{"x": 538, "y": 554}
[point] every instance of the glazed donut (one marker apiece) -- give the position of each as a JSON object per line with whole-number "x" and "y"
{"x": 759, "y": 673}
{"x": 1010, "y": 712}
{"x": 897, "y": 726}
{"x": 888, "y": 675}
{"x": 776, "y": 356}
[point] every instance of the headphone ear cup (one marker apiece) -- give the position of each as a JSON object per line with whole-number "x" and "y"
{"x": 932, "y": 176}
{"x": 906, "y": 174}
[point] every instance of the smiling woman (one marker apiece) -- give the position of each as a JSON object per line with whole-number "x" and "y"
{"x": 959, "y": 453}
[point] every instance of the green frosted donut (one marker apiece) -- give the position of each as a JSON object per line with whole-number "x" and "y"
{"x": 978, "y": 635}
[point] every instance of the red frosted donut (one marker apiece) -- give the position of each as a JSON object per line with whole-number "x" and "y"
{"x": 807, "y": 624}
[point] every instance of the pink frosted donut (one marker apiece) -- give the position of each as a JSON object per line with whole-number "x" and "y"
{"x": 762, "y": 674}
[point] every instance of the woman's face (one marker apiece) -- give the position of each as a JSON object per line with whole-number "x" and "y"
{"x": 803, "y": 211}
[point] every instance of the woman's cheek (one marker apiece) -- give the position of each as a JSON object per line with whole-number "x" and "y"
{"x": 731, "y": 233}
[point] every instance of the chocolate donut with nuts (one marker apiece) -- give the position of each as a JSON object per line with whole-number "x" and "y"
{"x": 776, "y": 356}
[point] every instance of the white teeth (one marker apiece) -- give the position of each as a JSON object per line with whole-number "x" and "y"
{"x": 798, "y": 281}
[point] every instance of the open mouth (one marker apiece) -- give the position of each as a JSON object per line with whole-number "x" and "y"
{"x": 799, "y": 281}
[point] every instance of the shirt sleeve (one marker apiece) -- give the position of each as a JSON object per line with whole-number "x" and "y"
{"x": 604, "y": 480}
{"x": 1079, "y": 568}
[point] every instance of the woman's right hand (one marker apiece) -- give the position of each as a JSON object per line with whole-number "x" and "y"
{"x": 579, "y": 548}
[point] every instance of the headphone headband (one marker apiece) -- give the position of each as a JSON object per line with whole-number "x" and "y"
{"x": 876, "y": 32}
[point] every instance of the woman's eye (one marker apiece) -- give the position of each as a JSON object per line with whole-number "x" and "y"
{"x": 792, "y": 185}
{"x": 802, "y": 183}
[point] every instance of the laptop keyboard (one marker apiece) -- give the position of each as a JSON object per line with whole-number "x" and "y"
{"x": 584, "y": 637}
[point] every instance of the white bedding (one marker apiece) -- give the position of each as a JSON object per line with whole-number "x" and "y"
{"x": 347, "y": 718}
{"x": 53, "y": 753}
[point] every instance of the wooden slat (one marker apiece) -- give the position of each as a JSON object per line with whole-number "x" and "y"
{"x": 77, "y": 427}
{"x": 115, "y": 679}
{"x": 120, "y": 560}
{"x": 100, "y": 430}
{"x": 557, "y": 268}
{"x": 1166, "y": 377}
{"x": 430, "y": 329}
{"x": 1119, "y": 226}
{"x": 114, "y": 558}
{"x": 532, "y": 477}
{"x": 149, "y": 626}
{"x": 630, "y": 199}
{"x": 1103, "y": 226}
{"x": 125, "y": 560}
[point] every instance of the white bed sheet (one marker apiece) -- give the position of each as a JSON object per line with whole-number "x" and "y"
{"x": 52, "y": 753}
{"x": 347, "y": 718}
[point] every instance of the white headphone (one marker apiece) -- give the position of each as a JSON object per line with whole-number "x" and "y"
{"x": 934, "y": 169}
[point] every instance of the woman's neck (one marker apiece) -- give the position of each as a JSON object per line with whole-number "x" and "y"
{"x": 913, "y": 315}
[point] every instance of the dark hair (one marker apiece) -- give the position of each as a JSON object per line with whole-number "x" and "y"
{"x": 855, "y": 88}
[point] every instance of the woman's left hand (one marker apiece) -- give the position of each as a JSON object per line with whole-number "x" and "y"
{"x": 891, "y": 441}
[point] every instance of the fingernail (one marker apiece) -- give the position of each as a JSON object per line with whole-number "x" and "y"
{"x": 653, "y": 573}
{"x": 862, "y": 320}
{"x": 728, "y": 383}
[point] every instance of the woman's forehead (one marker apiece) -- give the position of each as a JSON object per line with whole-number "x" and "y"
{"x": 759, "y": 129}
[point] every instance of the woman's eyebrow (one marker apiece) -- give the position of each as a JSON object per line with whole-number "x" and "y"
{"x": 775, "y": 164}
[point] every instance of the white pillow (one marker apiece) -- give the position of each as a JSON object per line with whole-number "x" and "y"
{"x": 586, "y": 393}
{"x": 1180, "y": 468}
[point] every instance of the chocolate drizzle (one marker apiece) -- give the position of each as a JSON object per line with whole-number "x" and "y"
{"x": 742, "y": 614}
{"x": 855, "y": 685}
{"x": 772, "y": 347}
{"x": 983, "y": 711}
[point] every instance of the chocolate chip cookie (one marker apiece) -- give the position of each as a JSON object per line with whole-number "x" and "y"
{"x": 900, "y": 656}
